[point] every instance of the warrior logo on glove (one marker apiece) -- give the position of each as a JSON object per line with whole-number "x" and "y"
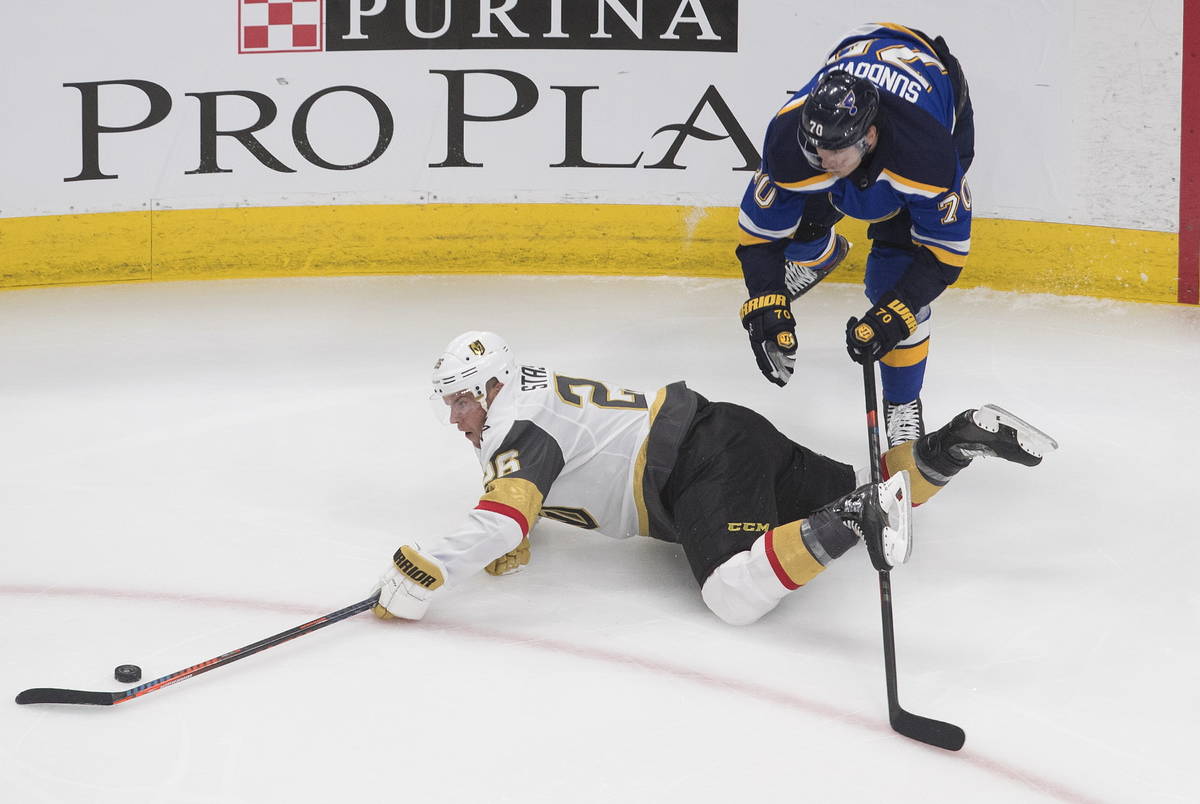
{"x": 768, "y": 320}
{"x": 877, "y": 333}
{"x": 418, "y": 568}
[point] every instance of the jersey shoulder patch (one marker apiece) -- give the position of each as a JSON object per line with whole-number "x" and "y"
{"x": 527, "y": 452}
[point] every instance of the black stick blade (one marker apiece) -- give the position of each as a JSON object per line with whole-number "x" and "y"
{"x": 40, "y": 695}
{"x": 51, "y": 695}
{"x": 937, "y": 733}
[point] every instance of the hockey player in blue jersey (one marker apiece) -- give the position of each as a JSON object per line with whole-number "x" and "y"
{"x": 883, "y": 132}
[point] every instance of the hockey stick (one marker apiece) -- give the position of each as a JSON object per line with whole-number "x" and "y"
{"x": 933, "y": 732}
{"x": 57, "y": 696}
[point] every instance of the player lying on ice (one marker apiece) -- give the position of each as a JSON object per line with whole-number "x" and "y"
{"x": 757, "y": 515}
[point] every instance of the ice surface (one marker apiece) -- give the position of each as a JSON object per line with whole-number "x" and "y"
{"x": 190, "y": 467}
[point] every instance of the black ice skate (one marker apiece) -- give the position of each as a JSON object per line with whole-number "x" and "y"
{"x": 800, "y": 279}
{"x": 992, "y": 432}
{"x": 881, "y": 515}
{"x": 905, "y": 421}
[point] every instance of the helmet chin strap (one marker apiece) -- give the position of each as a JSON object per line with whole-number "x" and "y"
{"x": 483, "y": 400}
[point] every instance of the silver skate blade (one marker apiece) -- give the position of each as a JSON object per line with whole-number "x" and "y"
{"x": 895, "y": 498}
{"x": 1032, "y": 440}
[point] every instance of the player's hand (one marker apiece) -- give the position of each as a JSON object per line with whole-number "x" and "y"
{"x": 768, "y": 320}
{"x": 510, "y": 562}
{"x": 877, "y": 333}
{"x": 405, "y": 589}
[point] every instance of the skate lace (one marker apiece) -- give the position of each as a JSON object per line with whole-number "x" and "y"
{"x": 852, "y": 511}
{"x": 799, "y": 278}
{"x": 904, "y": 422}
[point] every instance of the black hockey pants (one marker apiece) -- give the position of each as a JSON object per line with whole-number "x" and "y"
{"x": 737, "y": 477}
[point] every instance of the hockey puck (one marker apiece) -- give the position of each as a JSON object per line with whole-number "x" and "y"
{"x": 127, "y": 673}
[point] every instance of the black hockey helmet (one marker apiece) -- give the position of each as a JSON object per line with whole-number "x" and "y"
{"x": 838, "y": 112}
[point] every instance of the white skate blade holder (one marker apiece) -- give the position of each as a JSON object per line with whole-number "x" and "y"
{"x": 1029, "y": 438}
{"x": 896, "y": 500}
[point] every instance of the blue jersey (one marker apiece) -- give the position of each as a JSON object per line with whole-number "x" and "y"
{"x": 915, "y": 167}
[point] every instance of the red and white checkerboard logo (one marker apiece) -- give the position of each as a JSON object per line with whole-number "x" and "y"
{"x": 280, "y": 26}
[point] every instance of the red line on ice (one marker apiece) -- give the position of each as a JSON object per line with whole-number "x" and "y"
{"x": 728, "y": 684}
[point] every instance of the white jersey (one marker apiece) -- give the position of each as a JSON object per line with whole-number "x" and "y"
{"x": 574, "y": 450}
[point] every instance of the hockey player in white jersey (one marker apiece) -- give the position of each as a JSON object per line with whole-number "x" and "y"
{"x": 757, "y": 515}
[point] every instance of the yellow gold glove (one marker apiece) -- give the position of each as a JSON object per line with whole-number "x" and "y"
{"x": 510, "y": 562}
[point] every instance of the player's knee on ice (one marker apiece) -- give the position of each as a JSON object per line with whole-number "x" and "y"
{"x": 739, "y": 592}
{"x": 751, "y": 583}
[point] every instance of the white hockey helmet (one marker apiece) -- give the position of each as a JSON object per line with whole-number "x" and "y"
{"x": 469, "y": 361}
